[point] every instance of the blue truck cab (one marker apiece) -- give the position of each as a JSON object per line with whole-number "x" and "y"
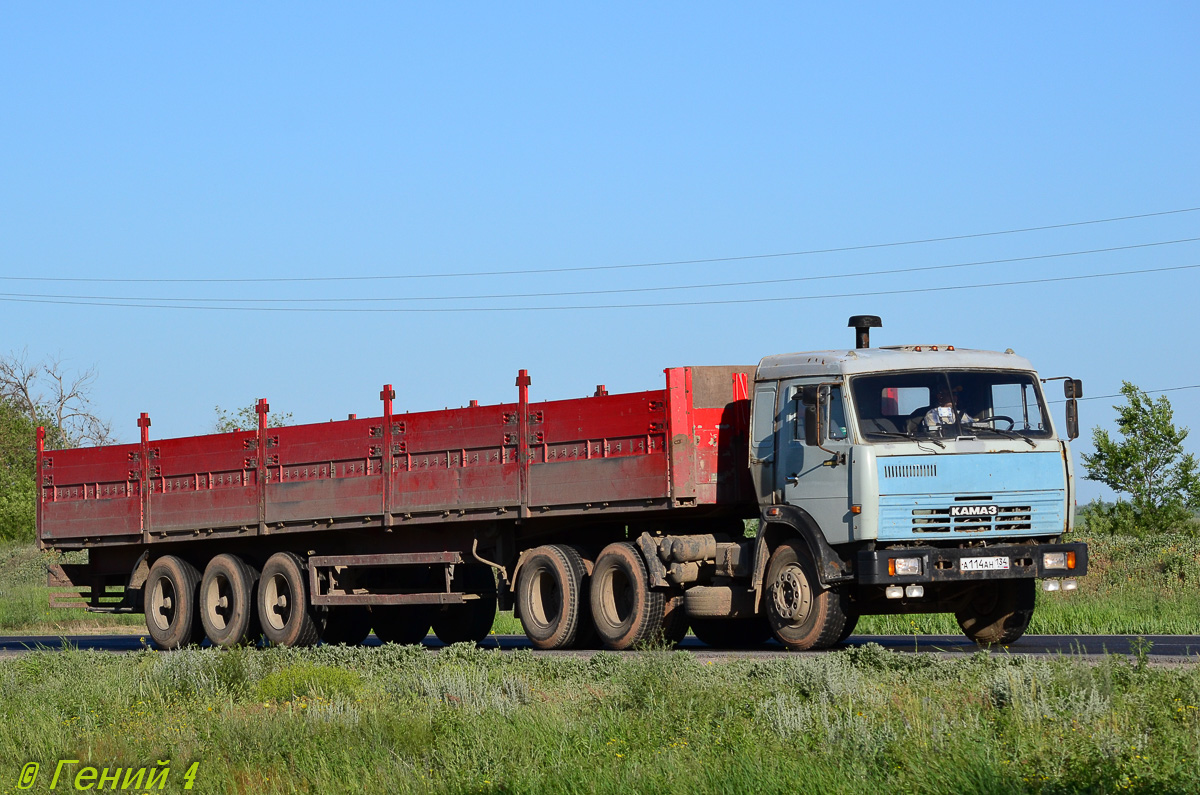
{"x": 918, "y": 478}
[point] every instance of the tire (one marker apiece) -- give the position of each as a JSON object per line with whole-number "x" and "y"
{"x": 169, "y": 600}
{"x": 732, "y": 633}
{"x": 283, "y": 610}
{"x": 347, "y": 625}
{"x": 675, "y": 623}
{"x": 227, "y": 608}
{"x": 471, "y": 621}
{"x": 551, "y": 597}
{"x": 401, "y": 624}
{"x": 848, "y": 630}
{"x": 624, "y": 609}
{"x": 997, "y": 613}
{"x": 801, "y": 615}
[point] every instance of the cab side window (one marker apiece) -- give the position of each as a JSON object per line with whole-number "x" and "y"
{"x": 836, "y": 414}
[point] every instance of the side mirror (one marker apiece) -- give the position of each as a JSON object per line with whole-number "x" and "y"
{"x": 1072, "y": 417}
{"x": 1072, "y": 389}
{"x": 813, "y": 397}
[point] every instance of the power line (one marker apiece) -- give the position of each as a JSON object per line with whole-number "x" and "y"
{"x": 615, "y": 291}
{"x": 585, "y": 307}
{"x": 1117, "y": 395}
{"x": 1147, "y": 391}
{"x": 577, "y": 269}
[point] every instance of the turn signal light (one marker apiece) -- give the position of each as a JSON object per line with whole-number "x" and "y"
{"x": 1070, "y": 560}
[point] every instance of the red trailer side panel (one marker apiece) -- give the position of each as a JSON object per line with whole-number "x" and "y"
{"x": 678, "y": 446}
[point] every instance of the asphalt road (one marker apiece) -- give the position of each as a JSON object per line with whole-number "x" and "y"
{"x": 1164, "y": 649}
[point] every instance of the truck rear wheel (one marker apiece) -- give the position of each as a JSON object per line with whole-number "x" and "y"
{"x": 997, "y": 612}
{"x": 800, "y": 613}
{"x": 624, "y": 609}
{"x": 551, "y": 597}
{"x": 471, "y": 621}
{"x": 283, "y": 609}
{"x": 227, "y": 608}
{"x": 347, "y": 624}
{"x": 732, "y": 633}
{"x": 402, "y": 624}
{"x": 170, "y": 603}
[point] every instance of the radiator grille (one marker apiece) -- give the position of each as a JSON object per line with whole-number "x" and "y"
{"x": 939, "y": 520}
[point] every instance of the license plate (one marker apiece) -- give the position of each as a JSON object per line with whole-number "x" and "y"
{"x": 983, "y": 564}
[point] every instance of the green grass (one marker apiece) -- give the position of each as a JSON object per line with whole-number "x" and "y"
{"x": 404, "y": 719}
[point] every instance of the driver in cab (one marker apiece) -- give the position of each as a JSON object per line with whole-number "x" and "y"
{"x": 944, "y": 413}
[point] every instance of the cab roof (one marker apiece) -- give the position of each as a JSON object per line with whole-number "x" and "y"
{"x": 872, "y": 360}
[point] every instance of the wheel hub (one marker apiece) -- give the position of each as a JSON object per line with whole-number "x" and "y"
{"x": 791, "y": 595}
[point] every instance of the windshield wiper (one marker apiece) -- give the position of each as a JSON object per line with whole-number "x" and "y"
{"x": 907, "y": 436}
{"x": 1007, "y": 434}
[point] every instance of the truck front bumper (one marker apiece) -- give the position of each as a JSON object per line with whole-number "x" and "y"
{"x": 1007, "y": 562}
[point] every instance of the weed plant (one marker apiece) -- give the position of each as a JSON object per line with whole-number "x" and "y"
{"x": 405, "y": 719}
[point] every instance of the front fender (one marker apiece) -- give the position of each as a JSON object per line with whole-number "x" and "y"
{"x": 778, "y": 523}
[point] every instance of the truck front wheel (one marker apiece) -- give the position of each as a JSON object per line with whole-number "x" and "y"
{"x": 801, "y": 614}
{"x": 624, "y": 609}
{"x": 997, "y": 612}
{"x": 286, "y": 616}
{"x": 170, "y": 603}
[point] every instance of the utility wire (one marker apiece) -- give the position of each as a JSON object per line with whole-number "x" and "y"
{"x": 615, "y": 291}
{"x": 708, "y": 260}
{"x": 585, "y": 307}
{"x": 1117, "y": 395}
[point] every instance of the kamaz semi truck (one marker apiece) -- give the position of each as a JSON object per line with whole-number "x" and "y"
{"x": 910, "y": 479}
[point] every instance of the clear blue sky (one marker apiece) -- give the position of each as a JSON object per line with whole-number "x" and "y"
{"x": 230, "y": 141}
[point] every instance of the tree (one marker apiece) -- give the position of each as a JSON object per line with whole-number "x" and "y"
{"x": 1148, "y": 464}
{"x": 34, "y": 393}
{"x": 18, "y": 490}
{"x": 52, "y": 397}
{"x": 245, "y": 419}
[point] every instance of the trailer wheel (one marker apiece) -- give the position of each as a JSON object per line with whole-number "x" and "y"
{"x": 551, "y": 598}
{"x": 997, "y": 612}
{"x": 227, "y": 608}
{"x": 471, "y": 621}
{"x": 732, "y": 633}
{"x": 347, "y": 624}
{"x": 401, "y": 624}
{"x": 800, "y": 613}
{"x": 283, "y": 609}
{"x": 624, "y": 609}
{"x": 169, "y": 600}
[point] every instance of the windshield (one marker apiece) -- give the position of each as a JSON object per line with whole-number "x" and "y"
{"x": 949, "y": 404}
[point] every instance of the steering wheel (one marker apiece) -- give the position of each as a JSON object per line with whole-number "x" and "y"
{"x": 992, "y": 419}
{"x": 916, "y": 420}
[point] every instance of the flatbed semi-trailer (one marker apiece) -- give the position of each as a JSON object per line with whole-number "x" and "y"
{"x": 611, "y": 519}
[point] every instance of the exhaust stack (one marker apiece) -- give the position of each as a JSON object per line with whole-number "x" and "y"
{"x": 864, "y": 324}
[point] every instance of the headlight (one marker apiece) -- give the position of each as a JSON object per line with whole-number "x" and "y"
{"x": 1054, "y": 560}
{"x": 905, "y": 567}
